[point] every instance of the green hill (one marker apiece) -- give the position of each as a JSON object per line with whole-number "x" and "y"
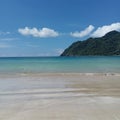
{"x": 106, "y": 45}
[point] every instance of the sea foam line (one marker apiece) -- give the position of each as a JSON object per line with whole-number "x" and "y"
{"x": 81, "y": 74}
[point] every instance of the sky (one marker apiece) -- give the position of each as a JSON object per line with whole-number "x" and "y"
{"x": 47, "y": 27}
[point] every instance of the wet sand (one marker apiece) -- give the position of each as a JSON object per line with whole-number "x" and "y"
{"x": 60, "y": 97}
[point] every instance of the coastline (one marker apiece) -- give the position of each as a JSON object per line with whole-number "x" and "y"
{"x": 57, "y": 74}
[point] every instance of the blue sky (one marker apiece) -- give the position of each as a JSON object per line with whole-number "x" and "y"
{"x": 47, "y": 27}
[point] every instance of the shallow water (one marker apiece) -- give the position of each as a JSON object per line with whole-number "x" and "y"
{"x": 83, "y": 64}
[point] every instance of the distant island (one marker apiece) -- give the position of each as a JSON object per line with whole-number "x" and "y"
{"x": 106, "y": 45}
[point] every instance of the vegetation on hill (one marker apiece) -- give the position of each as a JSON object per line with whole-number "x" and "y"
{"x": 106, "y": 45}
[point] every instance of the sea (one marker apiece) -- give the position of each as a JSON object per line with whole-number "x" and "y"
{"x": 82, "y": 64}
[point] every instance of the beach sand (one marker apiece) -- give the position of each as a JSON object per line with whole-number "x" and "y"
{"x": 60, "y": 96}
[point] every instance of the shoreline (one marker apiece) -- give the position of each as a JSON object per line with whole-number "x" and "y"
{"x": 60, "y": 96}
{"x": 56, "y": 74}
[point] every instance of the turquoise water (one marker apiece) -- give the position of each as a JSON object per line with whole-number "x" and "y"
{"x": 83, "y": 64}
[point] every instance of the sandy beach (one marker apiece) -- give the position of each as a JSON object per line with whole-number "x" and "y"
{"x": 60, "y": 96}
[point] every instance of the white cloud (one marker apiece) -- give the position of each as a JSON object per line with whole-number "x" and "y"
{"x": 4, "y": 33}
{"x": 59, "y": 51}
{"x": 42, "y": 33}
{"x": 3, "y": 45}
{"x": 101, "y": 31}
{"x": 83, "y": 33}
{"x": 8, "y": 39}
{"x": 32, "y": 46}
